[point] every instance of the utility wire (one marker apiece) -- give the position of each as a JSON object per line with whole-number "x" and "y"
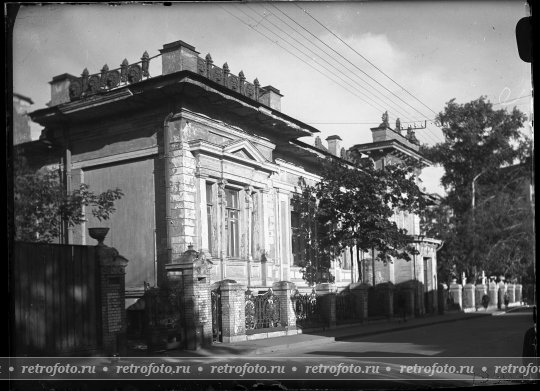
{"x": 398, "y": 110}
{"x": 370, "y": 101}
{"x": 428, "y": 132}
{"x": 369, "y": 62}
{"x": 293, "y": 54}
{"x": 339, "y": 54}
{"x": 422, "y": 114}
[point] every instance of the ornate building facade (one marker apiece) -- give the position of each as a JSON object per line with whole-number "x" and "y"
{"x": 204, "y": 157}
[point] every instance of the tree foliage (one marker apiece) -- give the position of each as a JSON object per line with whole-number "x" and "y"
{"x": 352, "y": 205}
{"x": 479, "y": 142}
{"x": 42, "y": 207}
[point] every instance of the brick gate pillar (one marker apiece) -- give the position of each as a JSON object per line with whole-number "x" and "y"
{"x": 501, "y": 292}
{"x": 112, "y": 269}
{"x": 480, "y": 290}
{"x": 493, "y": 289}
{"x": 469, "y": 298}
{"x": 327, "y": 297}
{"x": 511, "y": 290}
{"x": 518, "y": 294}
{"x": 456, "y": 294}
{"x": 195, "y": 301}
{"x": 360, "y": 297}
{"x": 233, "y": 311}
{"x": 284, "y": 290}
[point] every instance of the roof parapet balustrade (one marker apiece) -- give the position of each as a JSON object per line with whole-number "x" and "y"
{"x": 88, "y": 85}
{"x": 177, "y": 56}
{"x": 223, "y": 76}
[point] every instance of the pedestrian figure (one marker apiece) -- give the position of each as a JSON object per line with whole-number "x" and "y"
{"x": 506, "y": 300}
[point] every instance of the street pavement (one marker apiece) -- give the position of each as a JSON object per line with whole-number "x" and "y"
{"x": 352, "y": 332}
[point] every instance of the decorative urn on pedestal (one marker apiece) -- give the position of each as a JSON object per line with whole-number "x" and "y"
{"x": 99, "y": 234}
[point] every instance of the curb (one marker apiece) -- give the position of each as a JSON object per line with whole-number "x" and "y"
{"x": 409, "y": 327}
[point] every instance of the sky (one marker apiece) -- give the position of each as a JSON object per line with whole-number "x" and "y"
{"x": 339, "y": 65}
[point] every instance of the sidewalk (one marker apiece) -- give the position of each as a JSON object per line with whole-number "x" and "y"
{"x": 316, "y": 337}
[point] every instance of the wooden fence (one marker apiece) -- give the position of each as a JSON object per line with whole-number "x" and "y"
{"x": 56, "y": 296}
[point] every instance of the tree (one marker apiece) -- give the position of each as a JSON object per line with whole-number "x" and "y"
{"x": 352, "y": 205}
{"x": 479, "y": 142}
{"x": 42, "y": 207}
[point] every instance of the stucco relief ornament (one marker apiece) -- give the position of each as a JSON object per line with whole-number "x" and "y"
{"x": 94, "y": 84}
{"x": 201, "y": 265}
{"x": 75, "y": 89}
{"x": 221, "y": 189}
{"x": 134, "y": 74}
{"x": 384, "y": 119}
{"x": 248, "y": 192}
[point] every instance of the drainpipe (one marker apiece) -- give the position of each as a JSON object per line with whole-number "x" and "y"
{"x": 166, "y": 168}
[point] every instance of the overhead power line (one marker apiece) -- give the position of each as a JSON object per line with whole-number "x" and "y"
{"x": 359, "y": 69}
{"x": 369, "y": 62}
{"x": 375, "y": 94}
{"x": 415, "y": 109}
{"x": 295, "y": 55}
{"x": 259, "y": 23}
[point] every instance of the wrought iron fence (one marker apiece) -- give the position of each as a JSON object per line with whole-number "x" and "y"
{"x": 262, "y": 311}
{"x": 306, "y": 308}
{"x": 345, "y": 309}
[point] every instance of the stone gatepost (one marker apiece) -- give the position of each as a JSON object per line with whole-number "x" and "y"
{"x": 511, "y": 290}
{"x": 284, "y": 290}
{"x": 192, "y": 273}
{"x": 359, "y": 293}
{"x": 233, "y": 311}
{"x": 469, "y": 298}
{"x": 493, "y": 295}
{"x": 456, "y": 294}
{"x": 480, "y": 291}
{"x": 502, "y": 290}
{"x": 327, "y": 297}
{"x": 387, "y": 293}
{"x": 112, "y": 270}
{"x": 518, "y": 294}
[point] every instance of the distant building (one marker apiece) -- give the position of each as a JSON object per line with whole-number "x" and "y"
{"x": 21, "y": 125}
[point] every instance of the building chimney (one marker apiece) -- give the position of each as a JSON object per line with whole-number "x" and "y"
{"x": 60, "y": 89}
{"x": 334, "y": 145}
{"x": 271, "y": 97}
{"x": 178, "y": 56}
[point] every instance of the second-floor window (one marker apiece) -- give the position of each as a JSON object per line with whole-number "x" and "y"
{"x": 231, "y": 223}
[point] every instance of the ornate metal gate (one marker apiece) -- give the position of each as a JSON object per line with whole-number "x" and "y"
{"x": 306, "y": 308}
{"x": 262, "y": 311}
{"x": 216, "y": 315}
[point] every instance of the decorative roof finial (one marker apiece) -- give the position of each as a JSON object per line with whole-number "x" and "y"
{"x": 398, "y": 125}
{"x": 384, "y": 119}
